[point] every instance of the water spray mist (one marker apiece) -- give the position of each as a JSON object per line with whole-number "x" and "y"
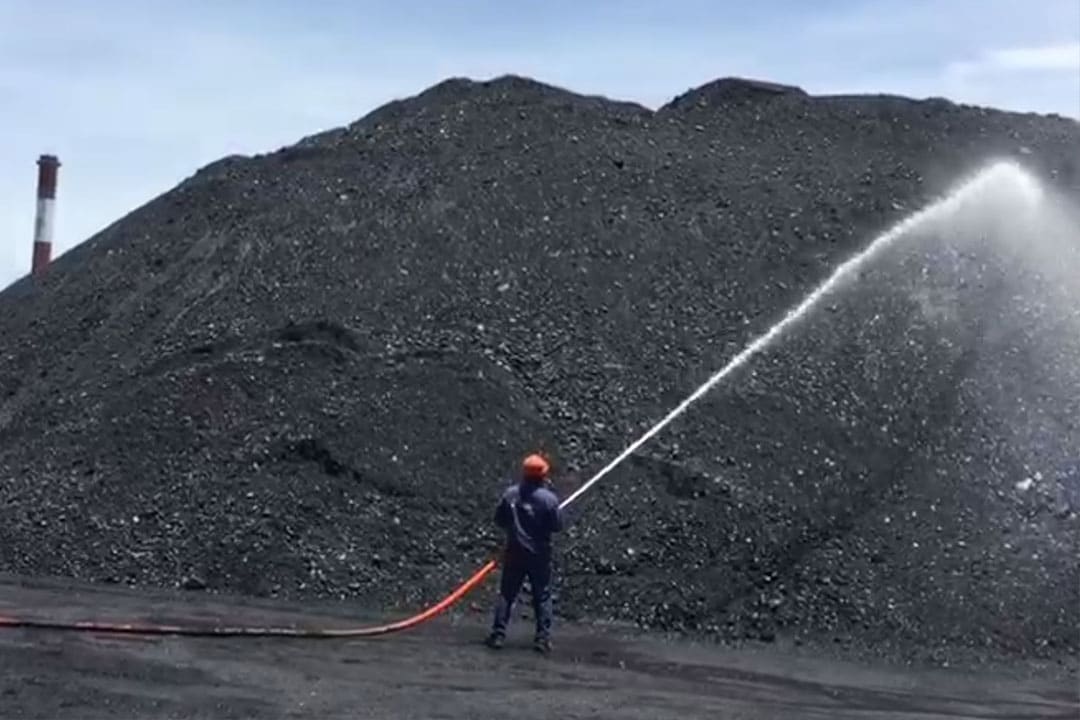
{"x": 1000, "y": 175}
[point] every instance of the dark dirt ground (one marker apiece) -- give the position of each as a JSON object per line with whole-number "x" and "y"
{"x": 441, "y": 671}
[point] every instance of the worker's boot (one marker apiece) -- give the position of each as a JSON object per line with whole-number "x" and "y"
{"x": 542, "y": 646}
{"x": 494, "y": 641}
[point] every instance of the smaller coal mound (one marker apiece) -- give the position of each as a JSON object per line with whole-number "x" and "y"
{"x": 734, "y": 90}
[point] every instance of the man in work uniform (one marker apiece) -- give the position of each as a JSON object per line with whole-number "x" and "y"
{"x": 529, "y": 514}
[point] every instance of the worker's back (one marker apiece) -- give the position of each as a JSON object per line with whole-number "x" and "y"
{"x": 529, "y": 513}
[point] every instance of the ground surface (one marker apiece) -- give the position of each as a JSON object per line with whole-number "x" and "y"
{"x": 440, "y": 671}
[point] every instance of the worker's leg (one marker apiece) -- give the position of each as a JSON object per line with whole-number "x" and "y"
{"x": 540, "y": 582}
{"x": 513, "y": 575}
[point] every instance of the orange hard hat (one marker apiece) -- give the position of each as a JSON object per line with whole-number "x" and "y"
{"x": 535, "y": 467}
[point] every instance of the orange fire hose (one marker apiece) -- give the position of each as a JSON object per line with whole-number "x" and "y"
{"x": 255, "y": 631}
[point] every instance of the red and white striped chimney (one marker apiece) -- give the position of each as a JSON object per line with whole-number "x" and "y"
{"x": 43, "y": 220}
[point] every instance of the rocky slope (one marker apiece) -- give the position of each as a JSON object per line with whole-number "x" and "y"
{"x": 309, "y": 372}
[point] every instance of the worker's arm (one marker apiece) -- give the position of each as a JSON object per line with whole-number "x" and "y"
{"x": 502, "y": 513}
{"x": 556, "y": 515}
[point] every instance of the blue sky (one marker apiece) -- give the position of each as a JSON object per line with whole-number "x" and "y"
{"x": 135, "y": 96}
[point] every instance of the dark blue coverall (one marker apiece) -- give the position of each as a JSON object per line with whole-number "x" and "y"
{"x": 529, "y": 514}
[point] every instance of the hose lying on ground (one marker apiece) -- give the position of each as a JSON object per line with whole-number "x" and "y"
{"x": 255, "y": 631}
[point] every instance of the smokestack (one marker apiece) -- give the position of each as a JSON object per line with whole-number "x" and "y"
{"x": 43, "y": 220}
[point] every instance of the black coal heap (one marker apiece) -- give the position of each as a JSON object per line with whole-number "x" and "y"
{"x": 308, "y": 373}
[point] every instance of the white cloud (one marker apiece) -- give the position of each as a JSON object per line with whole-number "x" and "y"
{"x": 1044, "y": 76}
{"x": 1051, "y": 57}
{"x": 1063, "y": 57}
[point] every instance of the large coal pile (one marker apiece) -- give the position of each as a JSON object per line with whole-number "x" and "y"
{"x": 309, "y": 372}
